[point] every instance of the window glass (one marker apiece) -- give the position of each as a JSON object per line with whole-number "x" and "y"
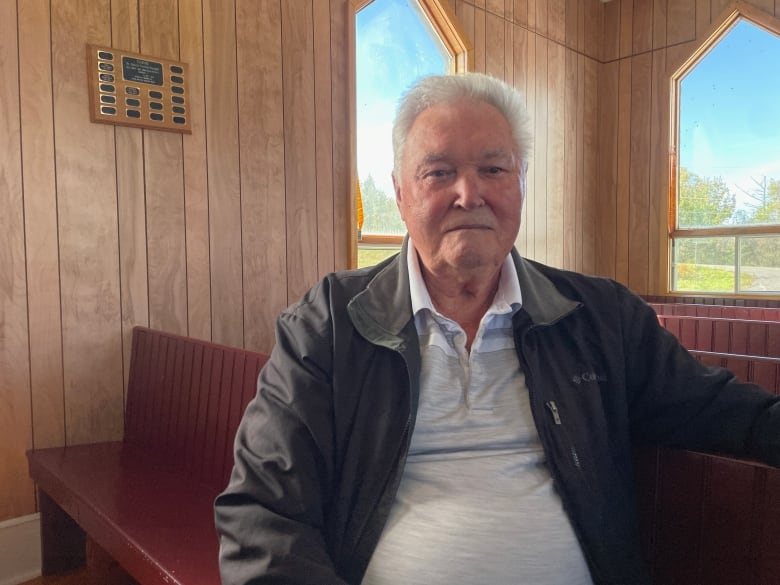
{"x": 395, "y": 45}
{"x": 728, "y": 174}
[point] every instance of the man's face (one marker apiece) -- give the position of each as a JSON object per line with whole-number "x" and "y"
{"x": 460, "y": 189}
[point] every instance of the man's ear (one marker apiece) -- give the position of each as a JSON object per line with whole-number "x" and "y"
{"x": 398, "y": 197}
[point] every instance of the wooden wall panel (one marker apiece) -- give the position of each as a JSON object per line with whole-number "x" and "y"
{"x": 299, "y": 125}
{"x": 164, "y": 179}
{"x": 557, "y": 201}
{"x": 222, "y": 117}
{"x": 131, "y": 200}
{"x": 16, "y": 498}
{"x": 196, "y": 189}
{"x": 344, "y": 210}
{"x": 323, "y": 138}
{"x": 639, "y": 173}
{"x": 40, "y": 224}
{"x": 259, "y": 35}
{"x": 606, "y": 196}
{"x": 539, "y": 161}
{"x": 592, "y": 212}
{"x": 88, "y": 235}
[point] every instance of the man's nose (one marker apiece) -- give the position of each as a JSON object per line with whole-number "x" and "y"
{"x": 469, "y": 190}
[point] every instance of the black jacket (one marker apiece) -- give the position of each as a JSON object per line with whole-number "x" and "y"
{"x": 321, "y": 449}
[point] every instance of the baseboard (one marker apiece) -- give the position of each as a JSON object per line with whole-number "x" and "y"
{"x": 20, "y": 549}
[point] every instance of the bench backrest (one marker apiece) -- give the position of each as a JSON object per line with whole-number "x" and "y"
{"x": 718, "y": 311}
{"x": 185, "y": 398}
{"x": 737, "y": 336}
{"x": 763, "y": 371}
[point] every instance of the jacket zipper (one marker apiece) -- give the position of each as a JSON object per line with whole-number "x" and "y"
{"x": 553, "y": 408}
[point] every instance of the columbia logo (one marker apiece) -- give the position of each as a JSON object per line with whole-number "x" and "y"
{"x": 586, "y": 377}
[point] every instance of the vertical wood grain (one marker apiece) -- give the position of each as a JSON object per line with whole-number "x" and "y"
{"x": 703, "y": 18}
{"x": 540, "y": 151}
{"x": 261, "y": 135}
{"x": 480, "y": 40}
{"x": 341, "y": 133}
{"x": 520, "y": 11}
{"x": 556, "y": 19}
{"x": 574, "y": 17}
{"x": 40, "y": 215}
{"x": 643, "y": 26}
{"x": 593, "y": 213}
{"x": 131, "y": 199}
{"x": 594, "y": 29}
{"x": 299, "y": 123}
{"x": 164, "y": 179}
{"x": 681, "y": 21}
{"x": 612, "y": 31}
{"x": 15, "y": 419}
{"x": 606, "y": 198}
{"x": 494, "y": 46}
{"x": 571, "y": 238}
{"x": 556, "y": 200}
{"x": 623, "y": 199}
{"x": 639, "y": 174}
{"x": 659, "y": 23}
{"x": 219, "y": 45}
{"x": 626, "y": 28}
{"x": 196, "y": 194}
{"x": 659, "y": 172}
{"x": 323, "y": 137}
{"x": 522, "y": 80}
{"x": 88, "y": 234}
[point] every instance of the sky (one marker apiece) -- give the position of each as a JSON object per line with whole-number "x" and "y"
{"x": 730, "y": 109}
{"x": 387, "y": 64}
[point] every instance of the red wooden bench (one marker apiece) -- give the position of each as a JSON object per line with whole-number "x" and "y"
{"x": 735, "y": 336}
{"x": 146, "y": 502}
{"x": 710, "y": 519}
{"x": 718, "y": 311}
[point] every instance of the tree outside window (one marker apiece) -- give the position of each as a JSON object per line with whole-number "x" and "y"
{"x": 726, "y": 231}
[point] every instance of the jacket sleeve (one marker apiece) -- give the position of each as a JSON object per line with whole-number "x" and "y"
{"x": 676, "y": 401}
{"x": 271, "y": 517}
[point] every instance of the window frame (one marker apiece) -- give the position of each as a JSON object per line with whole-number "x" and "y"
{"x": 738, "y": 11}
{"x": 452, "y": 35}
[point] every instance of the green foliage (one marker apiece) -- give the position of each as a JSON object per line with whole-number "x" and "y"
{"x": 703, "y": 202}
{"x": 371, "y": 256}
{"x": 380, "y": 212}
{"x": 691, "y": 277}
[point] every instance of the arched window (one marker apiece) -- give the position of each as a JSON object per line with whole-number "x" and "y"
{"x": 725, "y": 203}
{"x": 396, "y": 42}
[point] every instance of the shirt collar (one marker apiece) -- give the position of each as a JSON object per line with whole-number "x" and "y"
{"x": 508, "y": 298}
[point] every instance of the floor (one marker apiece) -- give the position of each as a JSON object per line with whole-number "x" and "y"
{"x": 75, "y": 578}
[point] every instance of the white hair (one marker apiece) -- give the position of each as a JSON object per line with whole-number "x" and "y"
{"x": 447, "y": 89}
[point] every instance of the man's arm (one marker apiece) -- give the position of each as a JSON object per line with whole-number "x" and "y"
{"x": 677, "y": 401}
{"x": 271, "y": 517}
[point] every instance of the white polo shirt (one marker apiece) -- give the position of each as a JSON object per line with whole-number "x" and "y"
{"x": 476, "y": 503}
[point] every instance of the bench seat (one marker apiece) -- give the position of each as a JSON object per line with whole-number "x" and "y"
{"x": 140, "y": 510}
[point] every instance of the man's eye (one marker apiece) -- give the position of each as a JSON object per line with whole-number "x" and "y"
{"x": 493, "y": 170}
{"x": 437, "y": 173}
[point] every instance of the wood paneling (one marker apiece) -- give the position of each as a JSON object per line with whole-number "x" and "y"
{"x": 105, "y": 227}
{"x": 40, "y": 224}
{"x": 15, "y": 417}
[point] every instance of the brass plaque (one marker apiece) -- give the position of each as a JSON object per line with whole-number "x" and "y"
{"x": 129, "y": 89}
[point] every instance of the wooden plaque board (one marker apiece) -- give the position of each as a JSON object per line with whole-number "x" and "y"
{"x": 130, "y": 89}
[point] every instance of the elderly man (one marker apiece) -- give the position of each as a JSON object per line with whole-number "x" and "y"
{"x": 459, "y": 414}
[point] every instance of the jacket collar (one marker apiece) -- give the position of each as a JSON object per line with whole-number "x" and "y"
{"x": 390, "y": 288}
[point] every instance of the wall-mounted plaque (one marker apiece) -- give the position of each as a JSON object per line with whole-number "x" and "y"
{"x": 135, "y": 90}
